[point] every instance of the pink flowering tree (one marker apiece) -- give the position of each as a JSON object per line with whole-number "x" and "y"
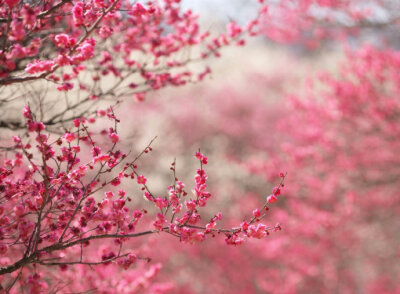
{"x": 339, "y": 210}
{"x": 91, "y": 51}
{"x": 68, "y": 204}
{"x": 314, "y": 22}
{"x": 341, "y": 205}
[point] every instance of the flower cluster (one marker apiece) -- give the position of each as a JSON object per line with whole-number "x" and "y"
{"x": 159, "y": 30}
{"x": 56, "y": 209}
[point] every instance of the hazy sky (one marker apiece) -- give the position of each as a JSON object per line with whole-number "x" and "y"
{"x": 222, "y": 9}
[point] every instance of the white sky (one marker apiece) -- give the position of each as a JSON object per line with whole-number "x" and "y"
{"x": 222, "y": 9}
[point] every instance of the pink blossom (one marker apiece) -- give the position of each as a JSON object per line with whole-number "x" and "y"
{"x": 78, "y": 13}
{"x": 64, "y": 41}
{"x": 77, "y": 122}
{"x": 39, "y": 66}
{"x": 201, "y": 157}
{"x": 114, "y": 137}
{"x": 69, "y": 137}
{"x": 126, "y": 262}
{"x": 160, "y": 221}
{"x": 105, "y": 31}
{"x": 271, "y": 199}
{"x": 234, "y": 240}
{"x": 27, "y": 112}
{"x": 257, "y": 231}
{"x": 138, "y": 10}
{"x": 256, "y": 213}
{"x": 62, "y": 60}
{"x": 140, "y": 97}
{"x": 101, "y": 158}
{"x": 141, "y": 180}
{"x": 116, "y": 182}
{"x": 109, "y": 194}
{"x": 35, "y": 126}
{"x": 190, "y": 205}
{"x": 276, "y": 191}
{"x": 161, "y": 202}
{"x": 65, "y": 87}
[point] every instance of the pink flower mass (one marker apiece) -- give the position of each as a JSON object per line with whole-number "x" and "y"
{"x": 136, "y": 156}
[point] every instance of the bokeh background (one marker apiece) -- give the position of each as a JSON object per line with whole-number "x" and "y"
{"x": 316, "y": 98}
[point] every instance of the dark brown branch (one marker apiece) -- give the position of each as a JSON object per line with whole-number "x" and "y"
{"x": 61, "y": 246}
{"x": 82, "y": 262}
